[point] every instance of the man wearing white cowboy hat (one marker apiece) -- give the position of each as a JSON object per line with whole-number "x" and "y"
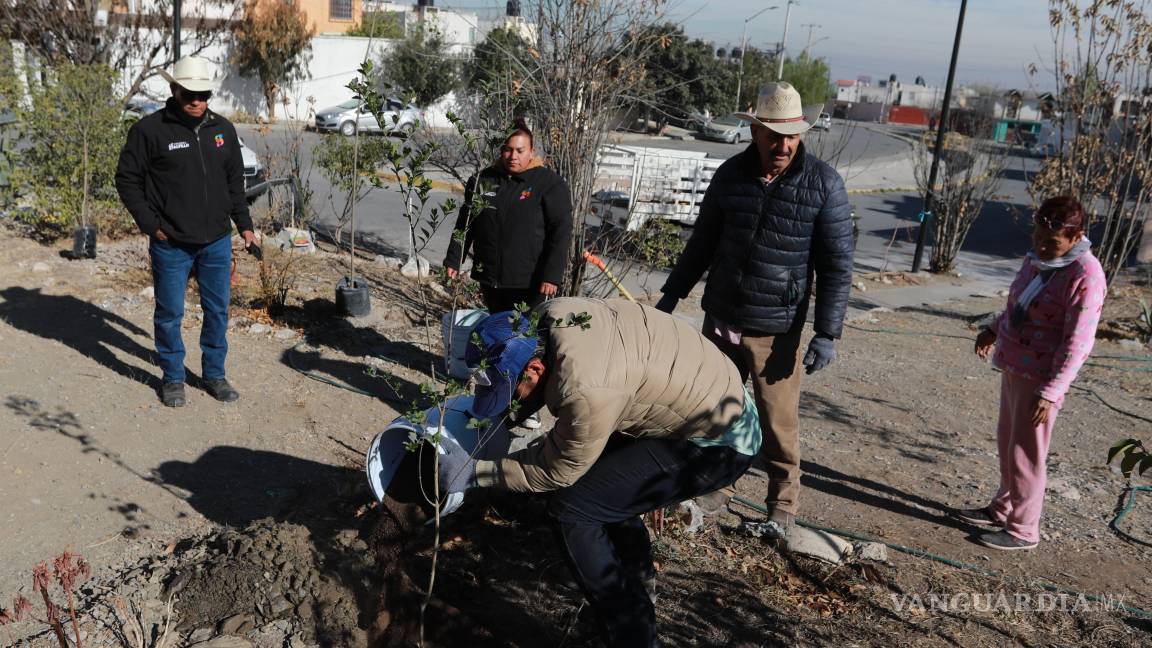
{"x": 773, "y": 220}
{"x": 181, "y": 176}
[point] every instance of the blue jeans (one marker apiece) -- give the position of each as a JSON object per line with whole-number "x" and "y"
{"x": 172, "y": 263}
{"x": 604, "y": 540}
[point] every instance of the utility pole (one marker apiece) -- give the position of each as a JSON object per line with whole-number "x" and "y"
{"x": 176, "y": 10}
{"x": 784, "y": 41}
{"x": 743, "y": 46}
{"x": 811, "y": 27}
{"x": 926, "y": 213}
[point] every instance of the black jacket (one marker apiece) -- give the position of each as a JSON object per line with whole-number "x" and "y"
{"x": 762, "y": 244}
{"x": 184, "y": 179}
{"x": 521, "y": 236}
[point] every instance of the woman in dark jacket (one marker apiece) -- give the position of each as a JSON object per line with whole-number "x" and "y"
{"x": 516, "y": 223}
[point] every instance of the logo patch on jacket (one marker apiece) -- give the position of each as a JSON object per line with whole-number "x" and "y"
{"x": 178, "y": 145}
{"x": 526, "y": 194}
{"x": 219, "y": 140}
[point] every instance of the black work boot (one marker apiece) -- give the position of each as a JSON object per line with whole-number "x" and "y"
{"x": 221, "y": 390}
{"x": 172, "y": 394}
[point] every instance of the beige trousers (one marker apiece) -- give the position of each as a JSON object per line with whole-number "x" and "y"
{"x": 773, "y": 362}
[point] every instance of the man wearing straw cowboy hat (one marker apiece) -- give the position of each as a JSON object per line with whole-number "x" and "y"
{"x": 773, "y": 220}
{"x": 181, "y": 176}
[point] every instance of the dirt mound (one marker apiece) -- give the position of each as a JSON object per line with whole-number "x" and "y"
{"x": 242, "y": 579}
{"x": 264, "y": 585}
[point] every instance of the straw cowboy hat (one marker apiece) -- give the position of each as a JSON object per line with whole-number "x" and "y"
{"x": 191, "y": 73}
{"x": 778, "y": 108}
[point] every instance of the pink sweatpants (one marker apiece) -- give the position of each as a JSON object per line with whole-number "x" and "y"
{"x": 1023, "y": 451}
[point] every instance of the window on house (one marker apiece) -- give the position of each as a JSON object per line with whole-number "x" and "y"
{"x": 340, "y": 9}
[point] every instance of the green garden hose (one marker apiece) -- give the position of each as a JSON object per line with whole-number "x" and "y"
{"x": 1131, "y": 502}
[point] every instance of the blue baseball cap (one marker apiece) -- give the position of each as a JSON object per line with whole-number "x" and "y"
{"x": 505, "y": 347}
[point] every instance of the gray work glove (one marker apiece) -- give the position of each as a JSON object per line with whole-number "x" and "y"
{"x": 457, "y": 467}
{"x": 821, "y": 353}
{"x": 667, "y": 303}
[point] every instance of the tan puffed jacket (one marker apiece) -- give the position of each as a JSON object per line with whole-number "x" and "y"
{"x": 636, "y": 371}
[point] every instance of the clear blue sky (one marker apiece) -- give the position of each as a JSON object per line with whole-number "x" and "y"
{"x": 879, "y": 37}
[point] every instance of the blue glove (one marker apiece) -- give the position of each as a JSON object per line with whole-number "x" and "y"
{"x": 821, "y": 353}
{"x": 457, "y": 467}
{"x": 667, "y": 303}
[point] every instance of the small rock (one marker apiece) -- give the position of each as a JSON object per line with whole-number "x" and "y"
{"x": 40, "y": 266}
{"x": 284, "y": 334}
{"x": 280, "y": 606}
{"x": 416, "y": 267}
{"x": 817, "y": 544}
{"x": 876, "y": 551}
{"x": 1001, "y": 293}
{"x": 860, "y": 286}
{"x": 1134, "y": 345}
{"x": 200, "y": 634}
{"x": 147, "y": 293}
{"x": 1062, "y": 488}
{"x": 259, "y": 329}
{"x": 389, "y": 261}
{"x": 237, "y": 624}
{"x": 225, "y": 642}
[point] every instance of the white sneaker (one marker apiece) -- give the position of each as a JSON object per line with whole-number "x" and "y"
{"x": 532, "y": 422}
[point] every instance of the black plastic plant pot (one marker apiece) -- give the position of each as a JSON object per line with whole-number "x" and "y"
{"x": 352, "y": 297}
{"x": 84, "y": 242}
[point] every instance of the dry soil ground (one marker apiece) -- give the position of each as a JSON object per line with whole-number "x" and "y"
{"x": 248, "y": 524}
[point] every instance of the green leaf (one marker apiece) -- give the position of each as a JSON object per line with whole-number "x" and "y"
{"x": 1119, "y": 447}
{"x": 1145, "y": 464}
{"x": 1129, "y": 462}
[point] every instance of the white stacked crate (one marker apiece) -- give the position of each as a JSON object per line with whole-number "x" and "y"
{"x": 663, "y": 183}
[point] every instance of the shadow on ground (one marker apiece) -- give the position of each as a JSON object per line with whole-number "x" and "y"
{"x": 67, "y": 425}
{"x": 1003, "y": 228}
{"x": 85, "y": 328}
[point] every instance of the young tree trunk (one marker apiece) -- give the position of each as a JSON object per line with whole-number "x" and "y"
{"x": 84, "y": 196}
{"x": 270, "y": 99}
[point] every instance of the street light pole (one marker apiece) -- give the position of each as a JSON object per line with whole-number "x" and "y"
{"x": 743, "y": 46}
{"x": 926, "y": 213}
{"x": 784, "y": 41}
{"x": 811, "y": 27}
{"x": 176, "y": 11}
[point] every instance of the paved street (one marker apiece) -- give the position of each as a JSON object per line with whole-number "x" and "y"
{"x": 887, "y": 219}
{"x": 380, "y": 221}
{"x": 856, "y": 141}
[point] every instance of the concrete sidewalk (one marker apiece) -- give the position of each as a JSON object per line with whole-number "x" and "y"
{"x": 894, "y": 174}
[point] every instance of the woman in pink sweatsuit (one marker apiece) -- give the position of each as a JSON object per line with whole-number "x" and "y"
{"x": 1041, "y": 340}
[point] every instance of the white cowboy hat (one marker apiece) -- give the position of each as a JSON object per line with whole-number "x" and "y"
{"x": 191, "y": 73}
{"x": 778, "y": 108}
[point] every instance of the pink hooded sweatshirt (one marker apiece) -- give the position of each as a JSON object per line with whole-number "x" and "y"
{"x": 1056, "y": 336}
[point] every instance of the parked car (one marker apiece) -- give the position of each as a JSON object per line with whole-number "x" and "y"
{"x": 728, "y": 129}
{"x": 823, "y": 122}
{"x": 137, "y": 108}
{"x": 255, "y": 176}
{"x": 692, "y": 120}
{"x": 611, "y": 207}
{"x": 343, "y": 118}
